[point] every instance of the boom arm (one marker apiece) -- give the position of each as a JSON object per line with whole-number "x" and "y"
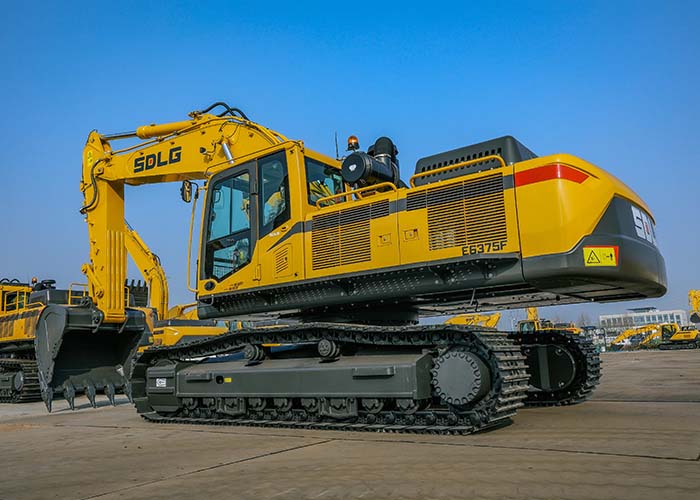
{"x": 149, "y": 266}
{"x": 187, "y": 150}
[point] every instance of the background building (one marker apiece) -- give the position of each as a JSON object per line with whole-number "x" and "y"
{"x": 613, "y": 324}
{"x": 643, "y": 316}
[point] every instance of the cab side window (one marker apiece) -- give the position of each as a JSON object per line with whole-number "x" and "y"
{"x": 228, "y": 236}
{"x": 321, "y": 181}
{"x": 274, "y": 190}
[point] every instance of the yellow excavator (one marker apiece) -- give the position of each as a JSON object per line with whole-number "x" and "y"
{"x": 644, "y": 336}
{"x": 21, "y": 339}
{"x": 687, "y": 337}
{"x": 475, "y": 319}
{"x": 22, "y": 305}
{"x": 350, "y": 268}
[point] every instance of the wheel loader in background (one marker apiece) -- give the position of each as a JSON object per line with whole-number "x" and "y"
{"x": 351, "y": 268}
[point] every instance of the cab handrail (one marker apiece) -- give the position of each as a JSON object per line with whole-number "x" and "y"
{"x": 357, "y": 192}
{"x": 456, "y": 165}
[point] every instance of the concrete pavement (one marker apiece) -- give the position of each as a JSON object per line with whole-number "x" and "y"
{"x": 638, "y": 438}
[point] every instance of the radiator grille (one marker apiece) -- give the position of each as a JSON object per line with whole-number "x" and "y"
{"x": 464, "y": 213}
{"x": 343, "y": 237}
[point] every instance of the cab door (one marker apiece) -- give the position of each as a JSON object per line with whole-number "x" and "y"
{"x": 230, "y": 231}
{"x": 279, "y": 252}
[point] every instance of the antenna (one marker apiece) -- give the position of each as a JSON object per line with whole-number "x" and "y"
{"x": 337, "y": 153}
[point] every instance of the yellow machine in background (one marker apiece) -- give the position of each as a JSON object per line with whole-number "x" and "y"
{"x": 533, "y": 323}
{"x": 644, "y": 336}
{"x": 687, "y": 337}
{"x": 18, "y": 375}
{"x": 24, "y": 306}
{"x": 475, "y": 319}
{"x": 694, "y": 301}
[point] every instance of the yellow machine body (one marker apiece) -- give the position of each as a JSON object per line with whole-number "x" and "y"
{"x": 17, "y": 315}
{"x": 687, "y": 337}
{"x": 390, "y": 229}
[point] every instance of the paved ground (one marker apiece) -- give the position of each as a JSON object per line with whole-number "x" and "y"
{"x": 639, "y": 438}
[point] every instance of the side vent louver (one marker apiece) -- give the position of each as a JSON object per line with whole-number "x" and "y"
{"x": 464, "y": 213}
{"x": 282, "y": 261}
{"x": 343, "y": 237}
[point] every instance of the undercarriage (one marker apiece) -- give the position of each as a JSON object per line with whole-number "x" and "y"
{"x": 452, "y": 379}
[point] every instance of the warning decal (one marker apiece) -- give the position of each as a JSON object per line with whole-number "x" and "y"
{"x": 600, "y": 256}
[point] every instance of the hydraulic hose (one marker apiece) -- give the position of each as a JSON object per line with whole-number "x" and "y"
{"x": 229, "y": 110}
{"x": 93, "y": 181}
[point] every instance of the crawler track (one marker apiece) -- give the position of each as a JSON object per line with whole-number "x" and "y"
{"x": 505, "y": 361}
{"x": 587, "y": 361}
{"x": 30, "y": 390}
{"x": 505, "y": 353}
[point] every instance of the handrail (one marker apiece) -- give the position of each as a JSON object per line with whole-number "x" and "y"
{"x": 373, "y": 187}
{"x": 21, "y": 301}
{"x": 456, "y": 165}
{"x": 76, "y": 295}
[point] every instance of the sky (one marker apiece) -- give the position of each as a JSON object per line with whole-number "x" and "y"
{"x": 615, "y": 83}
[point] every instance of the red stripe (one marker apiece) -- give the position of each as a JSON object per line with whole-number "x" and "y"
{"x": 549, "y": 172}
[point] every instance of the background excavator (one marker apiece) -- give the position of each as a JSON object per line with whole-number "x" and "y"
{"x": 23, "y": 348}
{"x": 687, "y": 337}
{"x": 350, "y": 269}
{"x": 646, "y": 336}
{"x": 22, "y": 307}
{"x": 475, "y": 319}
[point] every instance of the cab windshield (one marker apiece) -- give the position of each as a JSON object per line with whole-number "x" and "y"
{"x": 228, "y": 234}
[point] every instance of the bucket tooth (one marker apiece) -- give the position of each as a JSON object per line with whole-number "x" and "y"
{"x": 91, "y": 393}
{"x": 48, "y": 398}
{"x": 69, "y": 394}
{"x": 110, "y": 393}
{"x": 127, "y": 391}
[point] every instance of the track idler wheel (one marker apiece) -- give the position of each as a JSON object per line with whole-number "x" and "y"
{"x": 18, "y": 381}
{"x": 552, "y": 367}
{"x": 460, "y": 378}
